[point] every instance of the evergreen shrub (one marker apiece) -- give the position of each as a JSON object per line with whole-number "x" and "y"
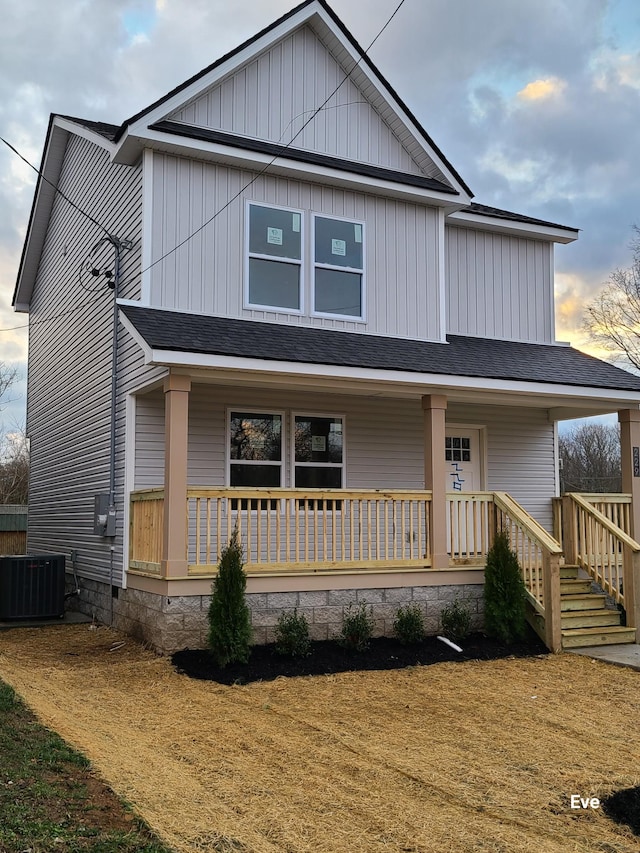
{"x": 357, "y": 628}
{"x": 229, "y": 621}
{"x": 456, "y": 620}
{"x": 408, "y": 625}
{"x": 504, "y": 592}
{"x": 292, "y": 635}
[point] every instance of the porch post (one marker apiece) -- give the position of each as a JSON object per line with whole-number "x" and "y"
{"x": 435, "y": 476}
{"x": 176, "y": 443}
{"x": 629, "y": 420}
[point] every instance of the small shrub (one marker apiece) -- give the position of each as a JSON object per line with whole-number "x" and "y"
{"x": 408, "y": 626}
{"x": 504, "y": 592}
{"x": 357, "y": 628}
{"x": 229, "y": 623}
{"x": 292, "y": 635}
{"x": 456, "y": 620}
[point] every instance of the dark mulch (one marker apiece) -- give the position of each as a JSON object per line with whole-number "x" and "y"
{"x": 624, "y": 807}
{"x": 328, "y": 656}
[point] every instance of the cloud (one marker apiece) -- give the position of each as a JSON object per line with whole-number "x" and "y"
{"x": 539, "y": 89}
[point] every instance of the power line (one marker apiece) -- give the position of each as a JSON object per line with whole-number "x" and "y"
{"x": 55, "y": 187}
{"x": 256, "y": 177}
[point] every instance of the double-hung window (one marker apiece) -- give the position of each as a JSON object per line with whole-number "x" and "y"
{"x": 338, "y": 267}
{"x": 255, "y": 449}
{"x": 318, "y": 452}
{"x": 274, "y": 276}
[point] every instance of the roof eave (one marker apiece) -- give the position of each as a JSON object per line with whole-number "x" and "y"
{"x": 513, "y": 227}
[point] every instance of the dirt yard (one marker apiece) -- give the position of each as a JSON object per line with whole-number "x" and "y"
{"x": 478, "y": 756}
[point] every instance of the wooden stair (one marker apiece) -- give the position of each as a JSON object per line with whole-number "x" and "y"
{"x": 586, "y": 621}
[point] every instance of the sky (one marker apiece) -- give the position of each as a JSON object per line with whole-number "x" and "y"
{"x": 536, "y": 103}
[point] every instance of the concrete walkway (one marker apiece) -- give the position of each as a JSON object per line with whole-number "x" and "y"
{"x": 625, "y": 654}
{"x": 70, "y": 618}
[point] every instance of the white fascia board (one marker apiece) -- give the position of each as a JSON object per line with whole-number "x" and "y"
{"x": 189, "y": 93}
{"x": 137, "y": 337}
{"x": 85, "y": 133}
{"x": 513, "y": 227}
{"x": 254, "y": 160}
{"x": 172, "y": 358}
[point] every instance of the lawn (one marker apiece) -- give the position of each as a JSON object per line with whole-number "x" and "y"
{"x": 50, "y": 799}
{"x": 476, "y": 756}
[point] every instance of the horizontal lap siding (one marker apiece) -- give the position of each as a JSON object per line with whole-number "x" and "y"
{"x": 498, "y": 286}
{"x": 205, "y": 275}
{"x": 69, "y": 383}
{"x": 273, "y": 96}
{"x": 383, "y": 441}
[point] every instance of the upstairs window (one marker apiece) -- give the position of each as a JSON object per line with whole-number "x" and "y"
{"x": 338, "y": 267}
{"x": 275, "y": 258}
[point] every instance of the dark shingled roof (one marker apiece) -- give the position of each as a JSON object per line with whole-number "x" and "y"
{"x": 109, "y": 131}
{"x": 462, "y": 356}
{"x": 485, "y": 210}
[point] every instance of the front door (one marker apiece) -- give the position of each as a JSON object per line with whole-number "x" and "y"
{"x": 463, "y": 460}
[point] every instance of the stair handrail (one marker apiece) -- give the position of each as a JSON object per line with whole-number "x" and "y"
{"x": 616, "y": 531}
{"x": 533, "y": 528}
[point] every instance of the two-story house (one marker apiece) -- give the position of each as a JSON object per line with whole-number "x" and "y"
{"x": 268, "y": 301}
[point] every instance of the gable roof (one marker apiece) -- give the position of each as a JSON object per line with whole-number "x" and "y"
{"x": 343, "y": 45}
{"x": 461, "y": 356}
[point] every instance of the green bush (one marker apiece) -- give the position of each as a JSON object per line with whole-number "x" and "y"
{"x": 229, "y": 624}
{"x": 292, "y": 635}
{"x": 504, "y": 592}
{"x": 357, "y": 628}
{"x": 408, "y": 626}
{"x": 456, "y": 620}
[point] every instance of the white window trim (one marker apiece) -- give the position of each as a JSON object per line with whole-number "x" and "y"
{"x": 294, "y": 464}
{"x": 253, "y": 306}
{"x": 361, "y": 318}
{"x": 283, "y": 449}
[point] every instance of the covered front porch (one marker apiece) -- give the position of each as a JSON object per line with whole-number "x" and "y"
{"x": 350, "y": 537}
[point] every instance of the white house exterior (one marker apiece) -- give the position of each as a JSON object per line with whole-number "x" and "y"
{"x": 308, "y": 306}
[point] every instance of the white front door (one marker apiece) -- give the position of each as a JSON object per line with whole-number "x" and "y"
{"x": 463, "y": 460}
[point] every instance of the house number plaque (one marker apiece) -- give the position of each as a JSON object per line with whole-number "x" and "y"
{"x": 636, "y": 461}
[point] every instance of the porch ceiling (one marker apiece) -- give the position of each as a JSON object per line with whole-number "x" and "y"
{"x": 468, "y": 370}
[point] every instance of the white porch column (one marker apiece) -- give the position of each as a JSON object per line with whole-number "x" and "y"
{"x": 435, "y": 476}
{"x": 176, "y": 445}
{"x": 629, "y": 420}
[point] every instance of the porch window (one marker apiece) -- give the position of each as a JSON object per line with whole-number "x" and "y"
{"x": 274, "y": 275}
{"x": 457, "y": 449}
{"x": 318, "y": 452}
{"x": 255, "y": 449}
{"x": 338, "y": 267}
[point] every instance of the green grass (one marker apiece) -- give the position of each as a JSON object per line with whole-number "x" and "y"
{"x": 49, "y": 798}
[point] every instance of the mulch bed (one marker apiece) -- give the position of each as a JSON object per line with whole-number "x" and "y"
{"x": 624, "y": 808}
{"x": 328, "y": 657}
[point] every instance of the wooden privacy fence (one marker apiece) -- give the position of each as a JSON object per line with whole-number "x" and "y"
{"x": 597, "y": 544}
{"x": 13, "y": 529}
{"x": 310, "y": 529}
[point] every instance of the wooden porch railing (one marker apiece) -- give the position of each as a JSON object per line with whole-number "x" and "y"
{"x": 616, "y": 507}
{"x": 470, "y": 526}
{"x": 597, "y": 544}
{"x": 539, "y": 557}
{"x": 146, "y": 519}
{"x": 289, "y": 530}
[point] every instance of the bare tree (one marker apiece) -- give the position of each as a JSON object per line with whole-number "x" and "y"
{"x": 613, "y": 318}
{"x": 590, "y": 458}
{"x": 14, "y": 467}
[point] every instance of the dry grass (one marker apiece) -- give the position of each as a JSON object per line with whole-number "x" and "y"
{"x": 453, "y": 757}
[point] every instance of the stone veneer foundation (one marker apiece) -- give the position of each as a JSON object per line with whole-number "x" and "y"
{"x": 169, "y": 624}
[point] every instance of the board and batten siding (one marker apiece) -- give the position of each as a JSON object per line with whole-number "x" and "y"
{"x": 383, "y": 440}
{"x": 274, "y": 95}
{"x": 69, "y": 382}
{"x": 206, "y": 274}
{"x": 499, "y": 286}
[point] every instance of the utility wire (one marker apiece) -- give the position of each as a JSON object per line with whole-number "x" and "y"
{"x": 218, "y": 212}
{"x": 257, "y": 176}
{"x": 56, "y": 188}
